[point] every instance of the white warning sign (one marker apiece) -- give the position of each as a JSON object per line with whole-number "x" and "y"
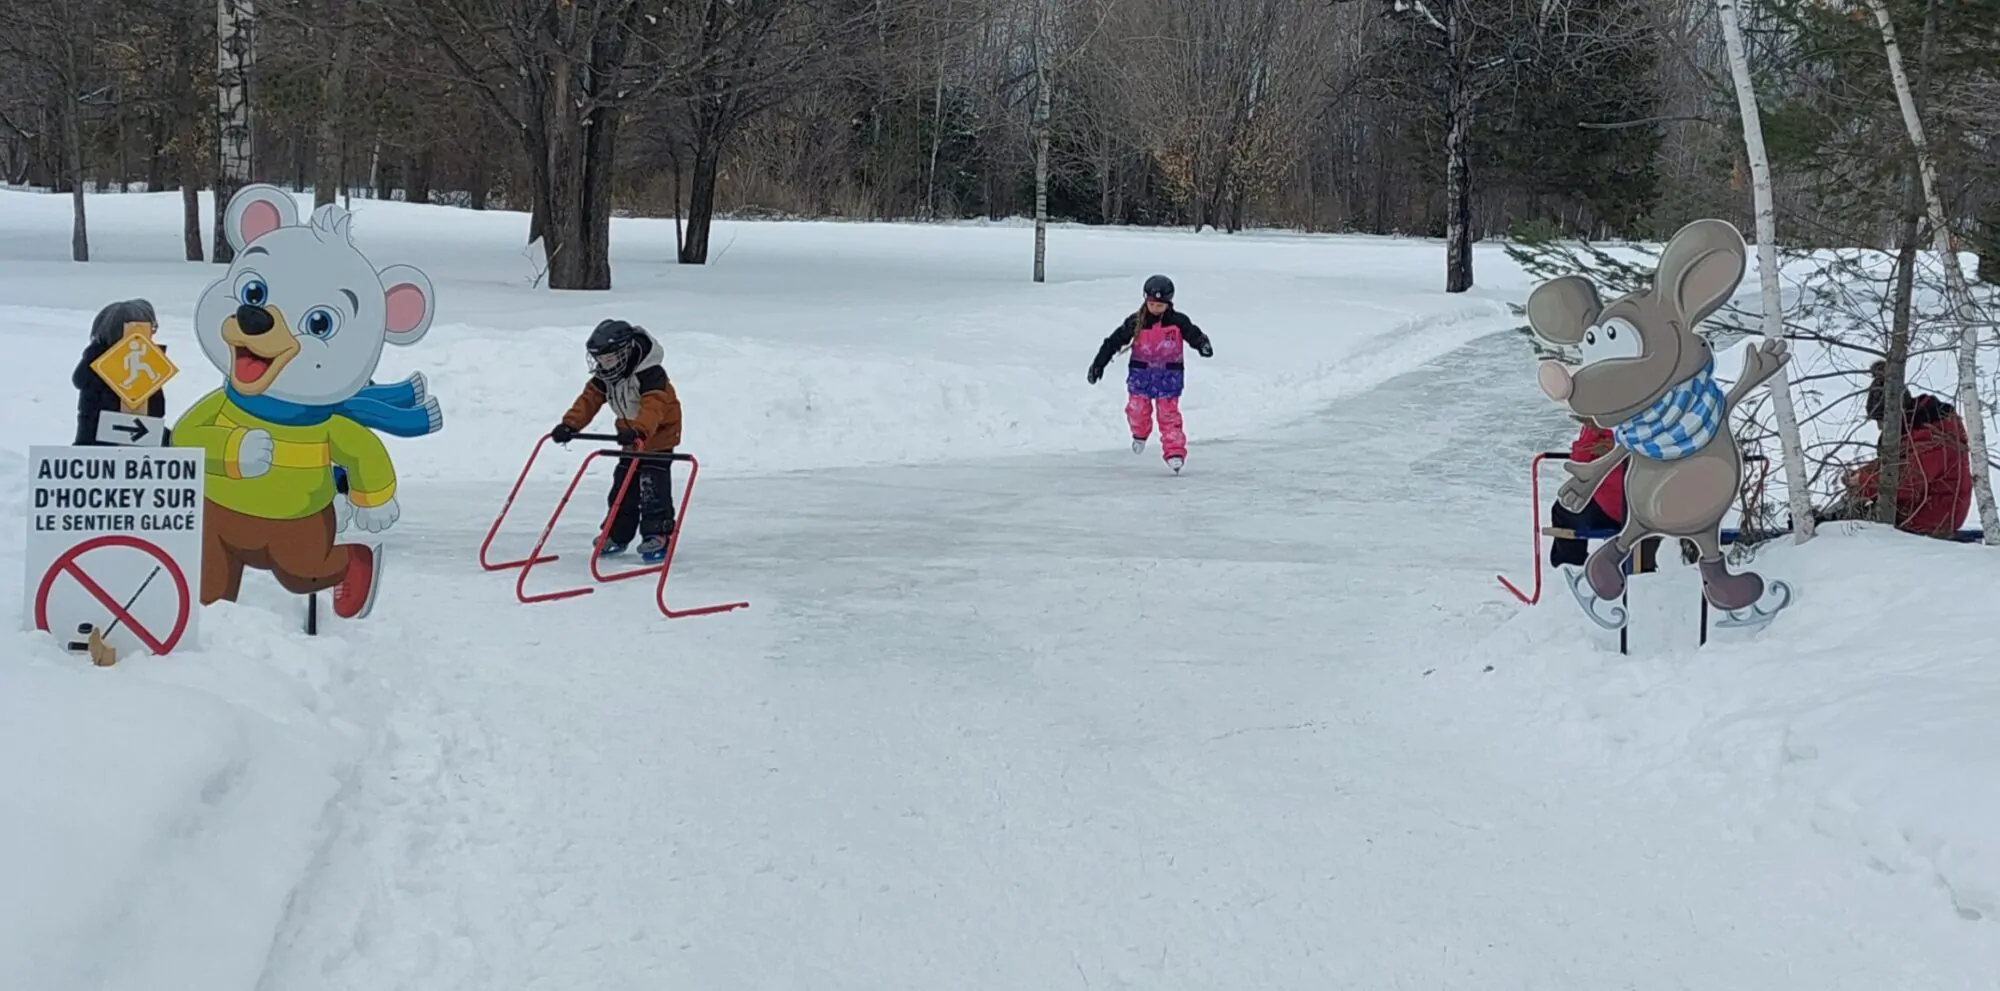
{"x": 114, "y": 544}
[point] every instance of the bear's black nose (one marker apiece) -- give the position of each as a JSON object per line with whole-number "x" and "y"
{"x": 254, "y": 320}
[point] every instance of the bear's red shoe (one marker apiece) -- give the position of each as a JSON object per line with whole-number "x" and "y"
{"x": 354, "y": 597}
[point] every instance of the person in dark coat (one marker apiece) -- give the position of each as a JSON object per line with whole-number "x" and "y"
{"x": 93, "y": 396}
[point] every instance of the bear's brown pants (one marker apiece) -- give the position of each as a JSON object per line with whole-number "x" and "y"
{"x": 300, "y": 553}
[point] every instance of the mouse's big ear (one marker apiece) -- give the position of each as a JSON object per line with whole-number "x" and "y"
{"x": 1701, "y": 268}
{"x": 1560, "y": 310}
{"x": 257, "y": 210}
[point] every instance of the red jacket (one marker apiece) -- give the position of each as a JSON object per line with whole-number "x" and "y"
{"x": 1935, "y": 491}
{"x": 1591, "y": 443}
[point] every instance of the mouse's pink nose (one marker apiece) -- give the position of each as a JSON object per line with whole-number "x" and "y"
{"x": 1555, "y": 380}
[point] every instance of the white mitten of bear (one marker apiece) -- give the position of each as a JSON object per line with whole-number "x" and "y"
{"x": 375, "y": 519}
{"x": 343, "y": 513}
{"x": 253, "y": 456}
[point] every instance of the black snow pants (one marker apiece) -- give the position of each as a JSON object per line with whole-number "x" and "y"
{"x": 648, "y": 509}
{"x": 1572, "y": 551}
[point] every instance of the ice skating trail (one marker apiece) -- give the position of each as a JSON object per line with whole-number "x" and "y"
{"x": 1050, "y": 722}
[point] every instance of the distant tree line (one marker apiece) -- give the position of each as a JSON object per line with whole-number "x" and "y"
{"x": 1461, "y": 119}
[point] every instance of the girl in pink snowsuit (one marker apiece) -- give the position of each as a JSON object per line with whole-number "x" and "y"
{"x": 1157, "y": 373}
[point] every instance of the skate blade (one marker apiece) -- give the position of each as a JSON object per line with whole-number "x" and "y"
{"x": 1758, "y": 615}
{"x": 1589, "y": 601}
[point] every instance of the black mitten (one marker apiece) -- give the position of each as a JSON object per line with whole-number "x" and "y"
{"x": 563, "y": 433}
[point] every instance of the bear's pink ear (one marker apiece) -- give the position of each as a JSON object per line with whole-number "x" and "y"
{"x": 257, "y": 210}
{"x": 260, "y": 219}
{"x": 407, "y": 305}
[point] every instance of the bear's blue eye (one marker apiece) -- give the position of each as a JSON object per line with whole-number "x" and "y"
{"x": 321, "y": 322}
{"x": 251, "y": 290}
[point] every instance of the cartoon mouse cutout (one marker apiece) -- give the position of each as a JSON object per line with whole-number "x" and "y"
{"x": 1650, "y": 379}
{"x": 297, "y": 327}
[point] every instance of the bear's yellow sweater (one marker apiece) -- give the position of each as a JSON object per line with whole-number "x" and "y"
{"x": 300, "y": 480}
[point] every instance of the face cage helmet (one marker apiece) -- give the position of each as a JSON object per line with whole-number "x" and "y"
{"x": 614, "y": 350}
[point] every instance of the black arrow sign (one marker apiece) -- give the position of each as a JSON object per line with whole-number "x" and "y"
{"x": 136, "y": 430}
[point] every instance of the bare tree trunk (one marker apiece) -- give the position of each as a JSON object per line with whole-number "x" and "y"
{"x": 478, "y": 184}
{"x": 1799, "y": 499}
{"x": 1896, "y": 361}
{"x": 1458, "y": 162}
{"x": 124, "y": 153}
{"x": 599, "y": 151}
{"x": 191, "y": 213}
{"x": 1970, "y": 409}
{"x": 417, "y": 178}
{"x": 378, "y": 173}
{"x": 79, "y": 234}
{"x": 937, "y": 125}
{"x": 1895, "y": 366}
{"x": 333, "y": 104}
{"x": 701, "y": 201}
{"x": 1044, "y": 77}
{"x": 235, "y": 47}
{"x": 156, "y": 160}
{"x": 1989, "y": 250}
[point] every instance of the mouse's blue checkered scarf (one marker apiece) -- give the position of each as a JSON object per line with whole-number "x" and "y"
{"x": 1679, "y": 423}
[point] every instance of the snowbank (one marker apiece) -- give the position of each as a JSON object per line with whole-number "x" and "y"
{"x": 1864, "y": 713}
{"x": 160, "y": 812}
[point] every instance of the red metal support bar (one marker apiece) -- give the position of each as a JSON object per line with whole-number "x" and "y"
{"x": 1534, "y": 524}
{"x": 674, "y": 542}
{"x": 664, "y": 568}
{"x": 486, "y": 545}
{"x": 535, "y": 556}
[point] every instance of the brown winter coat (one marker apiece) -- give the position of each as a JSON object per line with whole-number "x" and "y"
{"x": 645, "y": 403}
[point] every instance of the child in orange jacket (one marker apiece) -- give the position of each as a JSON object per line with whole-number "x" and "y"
{"x": 625, "y": 374}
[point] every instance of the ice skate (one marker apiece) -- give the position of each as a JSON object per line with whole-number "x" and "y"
{"x": 1746, "y": 600}
{"x": 653, "y": 550}
{"x": 1175, "y": 463}
{"x": 1604, "y": 612}
{"x": 354, "y": 597}
{"x": 1138, "y": 445}
{"x": 611, "y": 549}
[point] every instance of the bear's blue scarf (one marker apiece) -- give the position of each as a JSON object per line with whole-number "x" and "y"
{"x": 391, "y": 409}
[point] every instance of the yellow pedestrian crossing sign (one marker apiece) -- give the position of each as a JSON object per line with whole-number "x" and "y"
{"x": 135, "y": 367}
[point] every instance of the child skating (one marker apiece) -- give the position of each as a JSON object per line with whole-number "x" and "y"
{"x": 1157, "y": 372}
{"x": 625, "y": 373}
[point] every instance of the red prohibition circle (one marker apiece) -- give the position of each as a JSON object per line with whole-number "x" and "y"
{"x": 65, "y": 563}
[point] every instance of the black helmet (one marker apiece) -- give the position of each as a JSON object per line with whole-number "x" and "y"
{"x": 1161, "y": 288}
{"x": 615, "y": 348}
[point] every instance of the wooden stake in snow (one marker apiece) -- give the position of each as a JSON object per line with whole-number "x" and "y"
{"x": 1798, "y": 497}
{"x": 1969, "y": 407}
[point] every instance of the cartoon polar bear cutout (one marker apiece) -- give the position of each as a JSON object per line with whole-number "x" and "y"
{"x": 297, "y": 327}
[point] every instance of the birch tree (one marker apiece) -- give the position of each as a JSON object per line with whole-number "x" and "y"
{"x": 1796, "y": 483}
{"x": 1044, "y": 83}
{"x": 235, "y": 47}
{"x": 1956, "y": 286}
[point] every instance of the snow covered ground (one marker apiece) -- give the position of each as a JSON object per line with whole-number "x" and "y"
{"x": 1012, "y": 708}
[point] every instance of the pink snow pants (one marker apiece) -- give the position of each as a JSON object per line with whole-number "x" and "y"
{"x": 1139, "y": 412}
